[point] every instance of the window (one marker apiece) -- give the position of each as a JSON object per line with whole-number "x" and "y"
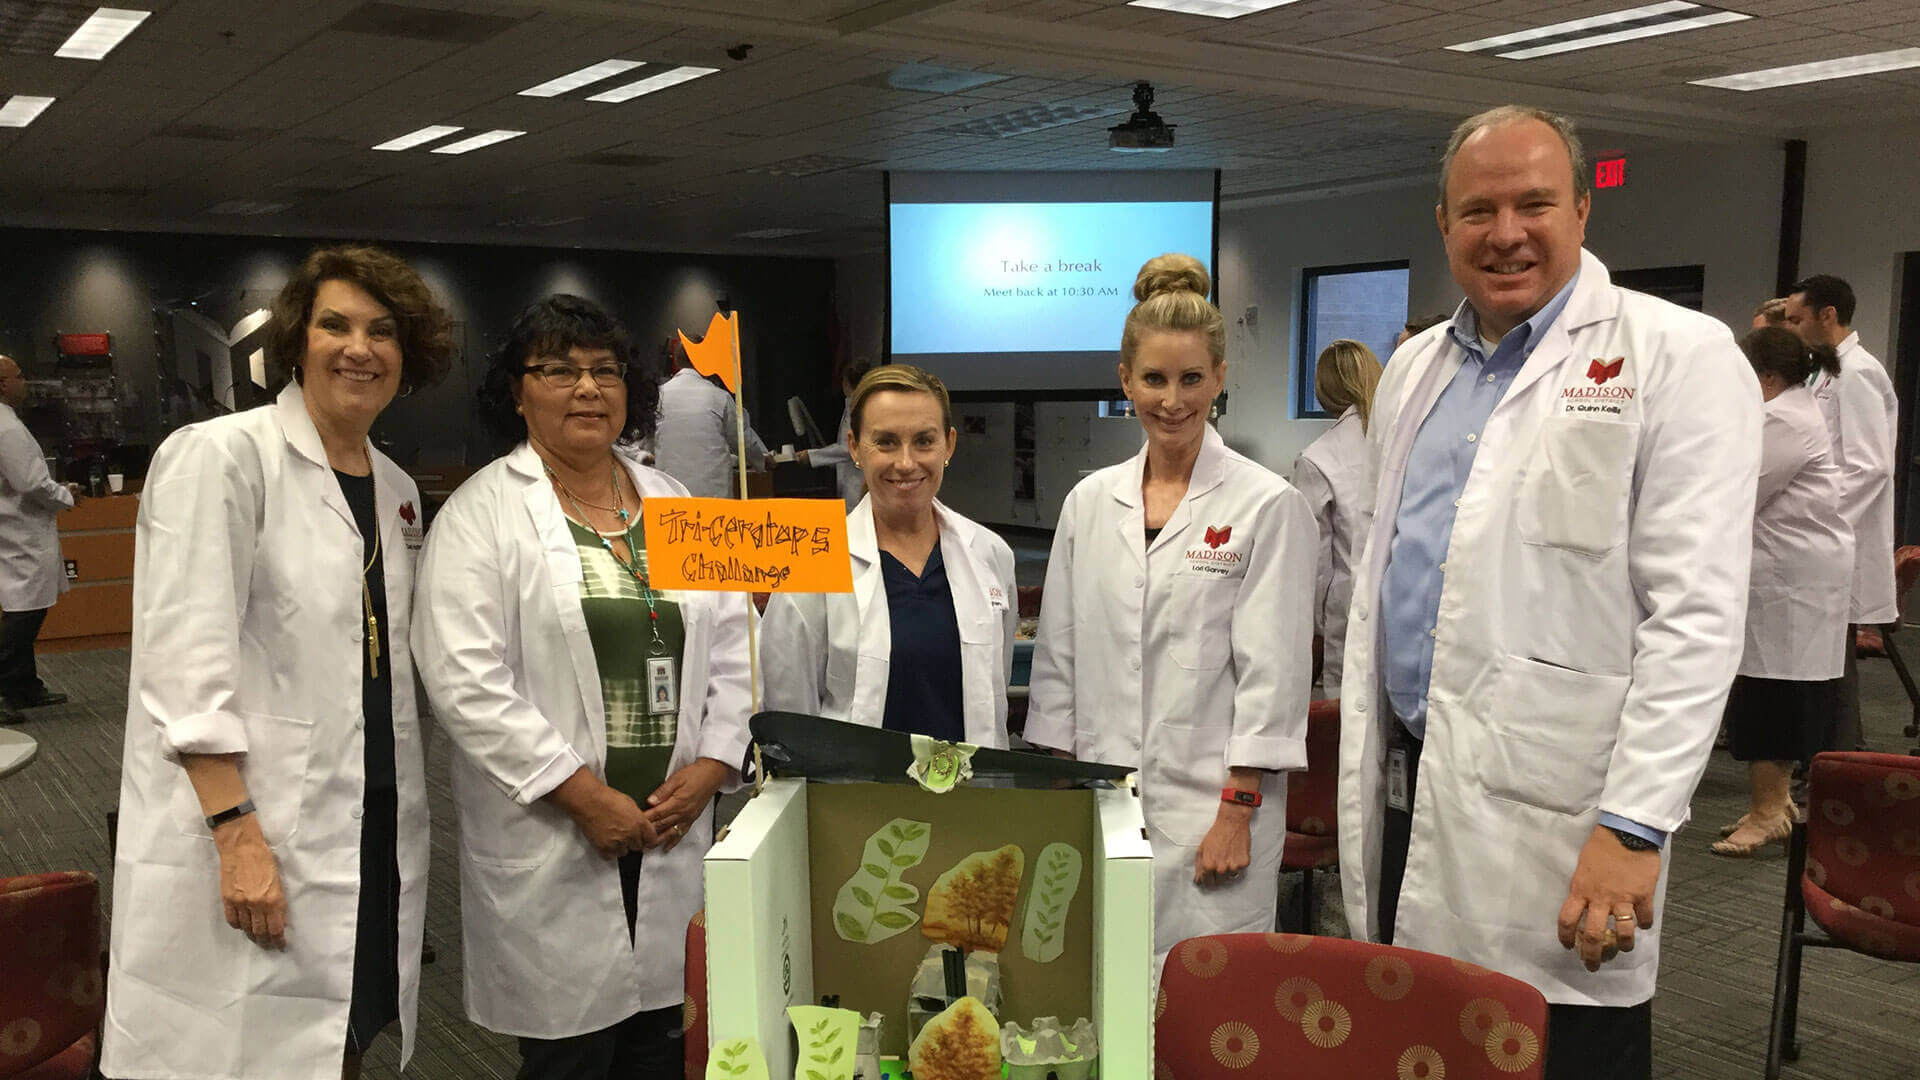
{"x": 1363, "y": 301}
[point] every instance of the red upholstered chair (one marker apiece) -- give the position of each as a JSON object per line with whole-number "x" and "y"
{"x": 1878, "y": 641}
{"x": 694, "y": 1022}
{"x": 52, "y": 998}
{"x": 1275, "y": 1006}
{"x": 1311, "y": 795}
{"x": 1855, "y": 867}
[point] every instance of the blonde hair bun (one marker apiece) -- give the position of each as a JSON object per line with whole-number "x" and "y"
{"x": 1171, "y": 273}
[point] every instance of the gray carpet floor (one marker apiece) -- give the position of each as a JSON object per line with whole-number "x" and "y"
{"x": 1860, "y": 1017}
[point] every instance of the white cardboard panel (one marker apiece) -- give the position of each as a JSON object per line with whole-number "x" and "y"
{"x": 1123, "y": 950}
{"x": 759, "y": 923}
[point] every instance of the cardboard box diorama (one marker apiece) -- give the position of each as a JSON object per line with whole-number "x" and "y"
{"x": 1001, "y": 915}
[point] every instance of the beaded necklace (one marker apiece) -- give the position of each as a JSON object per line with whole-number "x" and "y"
{"x": 658, "y": 647}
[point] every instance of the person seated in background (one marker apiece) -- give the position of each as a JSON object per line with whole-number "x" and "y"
{"x": 1788, "y": 687}
{"x": 1335, "y": 473}
{"x": 924, "y": 643}
{"x": 698, "y": 436}
{"x": 846, "y": 474}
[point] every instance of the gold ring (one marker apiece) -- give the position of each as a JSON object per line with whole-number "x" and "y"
{"x": 679, "y": 830}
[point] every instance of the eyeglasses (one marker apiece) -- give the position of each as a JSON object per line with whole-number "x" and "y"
{"x": 567, "y": 376}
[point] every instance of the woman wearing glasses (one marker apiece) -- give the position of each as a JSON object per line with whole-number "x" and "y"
{"x": 596, "y": 716}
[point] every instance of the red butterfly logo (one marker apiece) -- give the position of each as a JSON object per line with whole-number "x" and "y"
{"x": 1216, "y": 537}
{"x": 406, "y": 512}
{"x": 1600, "y": 371}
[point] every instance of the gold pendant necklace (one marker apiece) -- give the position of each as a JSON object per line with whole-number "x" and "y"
{"x": 366, "y": 591}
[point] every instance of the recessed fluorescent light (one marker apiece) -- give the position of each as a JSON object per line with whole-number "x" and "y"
{"x": 1214, "y": 9}
{"x": 1845, "y": 67}
{"x": 651, "y": 83}
{"x": 20, "y": 110}
{"x": 475, "y": 142}
{"x": 586, "y": 76}
{"x": 414, "y": 138}
{"x": 104, "y": 29}
{"x": 1631, "y": 24}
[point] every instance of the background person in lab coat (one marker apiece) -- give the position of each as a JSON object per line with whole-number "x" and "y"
{"x": 1863, "y": 414}
{"x": 1789, "y": 682}
{"x": 1548, "y": 609}
{"x": 270, "y": 877}
{"x": 584, "y": 799}
{"x": 1335, "y": 473}
{"x": 924, "y": 643}
{"x": 31, "y": 575}
{"x": 1176, "y": 627}
{"x": 697, "y": 440}
{"x": 836, "y": 456}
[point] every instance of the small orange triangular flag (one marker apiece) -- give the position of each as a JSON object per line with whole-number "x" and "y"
{"x": 717, "y": 353}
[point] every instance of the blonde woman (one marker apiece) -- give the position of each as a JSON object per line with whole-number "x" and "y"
{"x": 1176, "y": 629}
{"x": 924, "y": 643}
{"x": 1334, "y": 473}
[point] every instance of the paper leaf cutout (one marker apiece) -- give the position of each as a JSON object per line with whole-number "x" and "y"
{"x": 971, "y": 905}
{"x": 736, "y": 1059}
{"x": 1056, "y": 878}
{"x": 827, "y": 1040}
{"x": 962, "y": 1043}
{"x": 875, "y": 904}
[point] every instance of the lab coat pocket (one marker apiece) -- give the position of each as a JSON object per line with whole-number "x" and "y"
{"x": 1551, "y": 736}
{"x": 1183, "y": 769}
{"x": 274, "y": 770}
{"x": 1201, "y": 608}
{"x": 1575, "y": 496}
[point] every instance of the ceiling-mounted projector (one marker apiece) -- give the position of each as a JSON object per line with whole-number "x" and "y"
{"x": 1143, "y": 132}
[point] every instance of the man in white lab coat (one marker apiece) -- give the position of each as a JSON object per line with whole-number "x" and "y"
{"x": 1548, "y": 610}
{"x": 698, "y": 439}
{"x": 31, "y": 575}
{"x": 1863, "y": 417}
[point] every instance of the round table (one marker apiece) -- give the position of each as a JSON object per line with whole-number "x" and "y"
{"x": 17, "y": 749}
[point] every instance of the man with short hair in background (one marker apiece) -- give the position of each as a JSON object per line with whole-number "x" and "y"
{"x": 698, "y": 436}
{"x": 1863, "y": 417}
{"x": 31, "y": 574}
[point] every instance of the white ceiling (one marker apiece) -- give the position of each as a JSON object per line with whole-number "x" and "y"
{"x": 216, "y": 101}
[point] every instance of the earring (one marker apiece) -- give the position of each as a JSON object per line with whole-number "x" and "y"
{"x": 856, "y": 465}
{"x": 946, "y": 463}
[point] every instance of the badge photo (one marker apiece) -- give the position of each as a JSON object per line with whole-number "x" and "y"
{"x": 663, "y": 685}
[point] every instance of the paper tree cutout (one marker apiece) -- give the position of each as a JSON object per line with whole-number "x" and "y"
{"x": 875, "y": 904}
{"x": 1056, "y": 878}
{"x": 737, "y": 1059}
{"x": 716, "y": 353}
{"x": 827, "y": 1038}
{"x": 962, "y": 1043}
{"x": 971, "y": 905}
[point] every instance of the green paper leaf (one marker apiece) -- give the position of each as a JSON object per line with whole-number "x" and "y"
{"x": 885, "y": 848}
{"x": 850, "y": 927}
{"x": 862, "y": 895}
{"x": 874, "y": 870}
{"x": 905, "y": 860}
{"x": 898, "y": 892}
{"x": 871, "y": 906}
{"x": 894, "y": 920}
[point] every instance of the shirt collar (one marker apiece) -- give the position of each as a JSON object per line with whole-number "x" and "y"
{"x": 1465, "y": 328}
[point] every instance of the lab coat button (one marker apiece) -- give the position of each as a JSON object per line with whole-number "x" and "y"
{"x": 357, "y": 812}
{"x": 1472, "y": 437}
{"x": 1134, "y": 662}
{"x": 359, "y": 636}
{"x": 1433, "y": 632}
{"x": 1360, "y": 706}
{"x": 1138, "y": 581}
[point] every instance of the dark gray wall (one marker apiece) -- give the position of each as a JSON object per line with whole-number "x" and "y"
{"x": 61, "y": 281}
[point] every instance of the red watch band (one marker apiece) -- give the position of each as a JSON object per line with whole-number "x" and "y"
{"x": 1239, "y": 797}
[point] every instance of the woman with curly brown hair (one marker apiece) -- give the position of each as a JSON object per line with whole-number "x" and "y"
{"x": 270, "y": 879}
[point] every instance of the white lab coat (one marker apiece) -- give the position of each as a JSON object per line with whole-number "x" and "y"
{"x": 1181, "y": 659}
{"x": 846, "y": 475}
{"x": 509, "y": 668}
{"x": 31, "y": 575}
{"x": 829, "y": 654}
{"x": 698, "y": 438}
{"x": 249, "y": 638}
{"x": 1590, "y": 625}
{"x": 1863, "y": 414}
{"x": 1335, "y": 472}
{"x": 1802, "y": 549}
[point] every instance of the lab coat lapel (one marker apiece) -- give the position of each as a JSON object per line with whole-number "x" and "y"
{"x": 1593, "y": 300}
{"x": 561, "y": 559}
{"x": 875, "y": 644}
{"x": 1209, "y": 467}
{"x": 290, "y": 409}
{"x": 1133, "y": 516}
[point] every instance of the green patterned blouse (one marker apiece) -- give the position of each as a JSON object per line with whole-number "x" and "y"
{"x": 642, "y": 706}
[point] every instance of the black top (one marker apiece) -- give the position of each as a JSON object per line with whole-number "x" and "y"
{"x": 1152, "y": 535}
{"x": 923, "y": 677}
{"x": 376, "y": 691}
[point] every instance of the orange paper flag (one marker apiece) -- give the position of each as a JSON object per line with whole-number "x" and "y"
{"x": 718, "y": 353}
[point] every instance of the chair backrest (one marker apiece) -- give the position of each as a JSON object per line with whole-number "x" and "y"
{"x": 694, "y": 1020}
{"x": 53, "y": 994}
{"x": 1862, "y": 882}
{"x": 1313, "y": 793}
{"x": 1275, "y": 1005}
{"x": 1906, "y": 571}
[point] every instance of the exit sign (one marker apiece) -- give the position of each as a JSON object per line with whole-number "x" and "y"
{"x": 1610, "y": 173}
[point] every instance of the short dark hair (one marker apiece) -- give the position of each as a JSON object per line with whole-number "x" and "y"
{"x": 1827, "y": 291}
{"x": 426, "y": 331}
{"x": 552, "y": 328}
{"x": 1776, "y": 350}
{"x": 1425, "y": 323}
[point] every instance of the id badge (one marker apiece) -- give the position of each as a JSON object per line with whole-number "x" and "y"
{"x": 663, "y": 685}
{"x": 1398, "y": 797}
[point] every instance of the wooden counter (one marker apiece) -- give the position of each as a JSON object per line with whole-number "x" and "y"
{"x": 96, "y": 540}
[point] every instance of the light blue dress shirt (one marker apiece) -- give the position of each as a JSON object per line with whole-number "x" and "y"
{"x": 1436, "y": 476}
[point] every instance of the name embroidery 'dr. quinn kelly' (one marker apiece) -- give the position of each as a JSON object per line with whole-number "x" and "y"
{"x": 1211, "y": 559}
{"x": 1608, "y": 393}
